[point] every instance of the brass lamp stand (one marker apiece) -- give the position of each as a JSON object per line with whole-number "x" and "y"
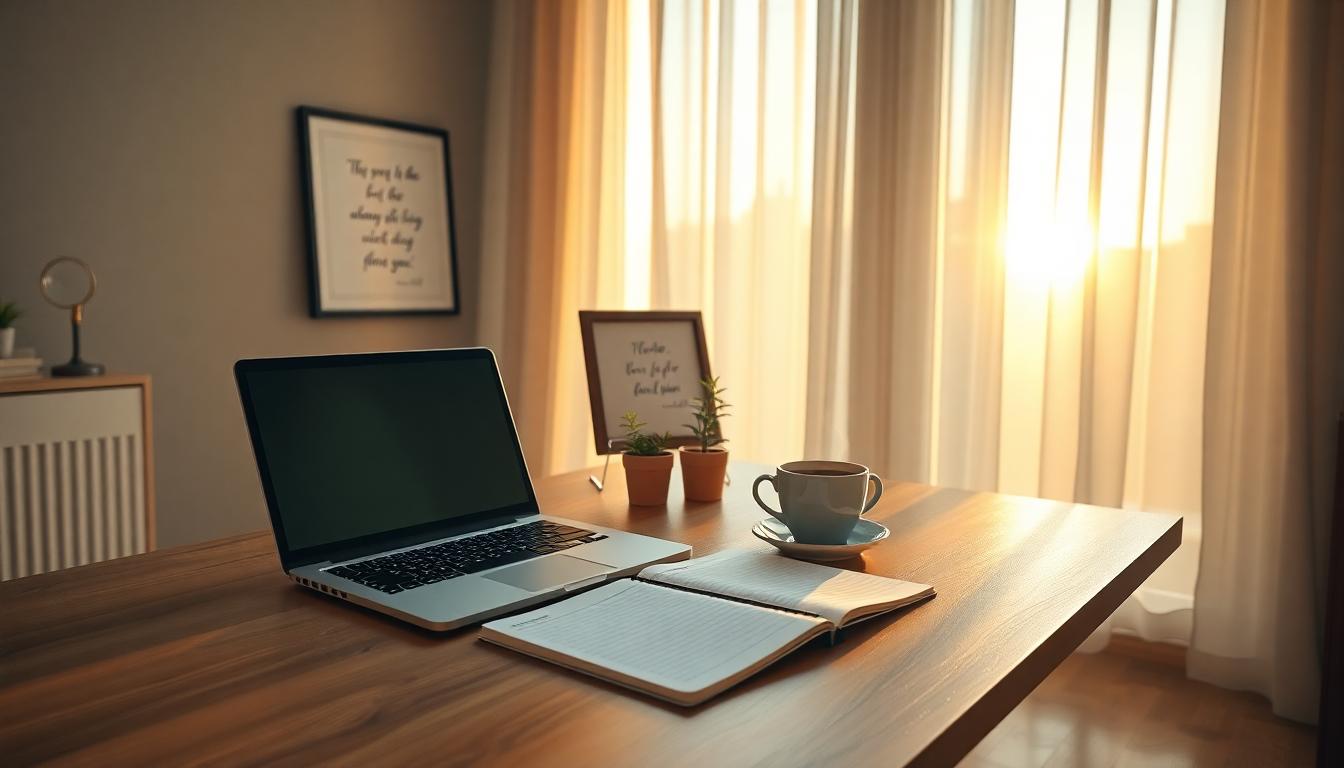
{"x": 68, "y": 283}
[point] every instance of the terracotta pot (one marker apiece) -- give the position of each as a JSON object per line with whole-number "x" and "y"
{"x": 647, "y": 477}
{"x": 702, "y": 473}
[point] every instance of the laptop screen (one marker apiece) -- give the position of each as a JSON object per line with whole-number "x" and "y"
{"x": 370, "y": 444}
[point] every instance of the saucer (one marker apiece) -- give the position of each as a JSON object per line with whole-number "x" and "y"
{"x": 866, "y": 533}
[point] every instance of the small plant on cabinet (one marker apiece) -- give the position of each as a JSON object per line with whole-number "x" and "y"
{"x": 9, "y": 313}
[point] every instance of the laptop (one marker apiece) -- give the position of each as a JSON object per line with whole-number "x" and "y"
{"x": 396, "y": 481}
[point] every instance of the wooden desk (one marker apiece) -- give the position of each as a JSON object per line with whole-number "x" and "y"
{"x": 206, "y": 652}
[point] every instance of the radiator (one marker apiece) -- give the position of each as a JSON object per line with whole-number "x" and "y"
{"x": 72, "y": 479}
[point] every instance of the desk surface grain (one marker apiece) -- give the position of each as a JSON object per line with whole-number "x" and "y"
{"x": 207, "y": 653}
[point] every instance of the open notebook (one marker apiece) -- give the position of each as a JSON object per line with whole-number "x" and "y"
{"x": 685, "y": 632}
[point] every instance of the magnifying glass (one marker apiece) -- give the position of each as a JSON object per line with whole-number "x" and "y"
{"x": 69, "y": 284}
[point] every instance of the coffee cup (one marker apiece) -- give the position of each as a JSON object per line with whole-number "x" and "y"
{"x": 820, "y": 501}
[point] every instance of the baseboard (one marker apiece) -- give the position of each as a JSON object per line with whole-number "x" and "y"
{"x": 1168, "y": 654}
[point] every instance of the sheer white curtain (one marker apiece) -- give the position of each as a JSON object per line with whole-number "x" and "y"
{"x": 965, "y": 242}
{"x": 1274, "y": 383}
{"x": 652, "y": 155}
{"x": 1022, "y": 306}
{"x": 735, "y": 108}
{"x": 555, "y": 231}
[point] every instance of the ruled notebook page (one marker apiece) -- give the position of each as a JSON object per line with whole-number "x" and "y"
{"x": 678, "y": 640}
{"x": 766, "y": 577}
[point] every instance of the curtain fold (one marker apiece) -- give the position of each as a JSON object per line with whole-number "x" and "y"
{"x": 554, "y": 231}
{"x": 897, "y": 143}
{"x": 737, "y": 106}
{"x": 972, "y": 291}
{"x": 826, "y": 412}
{"x": 1274, "y": 387}
{"x": 911, "y": 337}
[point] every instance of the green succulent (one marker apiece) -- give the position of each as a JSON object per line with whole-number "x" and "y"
{"x": 9, "y": 312}
{"x": 639, "y": 443}
{"x": 709, "y": 408}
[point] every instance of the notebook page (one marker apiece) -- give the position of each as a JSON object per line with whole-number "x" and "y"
{"x": 678, "y": 640}
{"x": 765, "y": 577}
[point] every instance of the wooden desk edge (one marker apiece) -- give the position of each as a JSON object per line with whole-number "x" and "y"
{"x": 980, "y": 718}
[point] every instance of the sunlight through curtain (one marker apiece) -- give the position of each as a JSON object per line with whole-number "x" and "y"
{"x": 556, "y": 197}
{"x": 963, "y": 241}
{"x": 1027, "y": 283}
{"x": 661, "y": 157}
{"x": 1000, "y": 297}
{"x": 1029, "y": 256}
{"x": 736, "y": 106}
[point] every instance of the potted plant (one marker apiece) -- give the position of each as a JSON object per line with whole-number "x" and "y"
{"x": 704, "y": 465}
{"x": 647, "y": 462}
{"x": 9, "y": 312}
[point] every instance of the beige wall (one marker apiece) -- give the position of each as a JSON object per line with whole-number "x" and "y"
{"x": 156, "y": 140}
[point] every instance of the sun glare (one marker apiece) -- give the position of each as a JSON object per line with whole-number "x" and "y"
{"x": 1054, "y": 257}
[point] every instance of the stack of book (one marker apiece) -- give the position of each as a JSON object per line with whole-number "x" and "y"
{"x": 24, "y": 365}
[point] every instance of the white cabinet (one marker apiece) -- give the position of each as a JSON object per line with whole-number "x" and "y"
{"x": 76, "y": 472}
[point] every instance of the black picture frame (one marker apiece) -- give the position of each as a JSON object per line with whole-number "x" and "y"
{"x": 319, "y": 306}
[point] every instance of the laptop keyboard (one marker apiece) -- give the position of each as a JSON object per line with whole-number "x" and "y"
{"x": 413, "y": 568}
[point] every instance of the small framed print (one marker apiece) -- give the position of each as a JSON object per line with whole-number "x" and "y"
{"x": 381, "y": 234}
{"x": 647, "y": 362}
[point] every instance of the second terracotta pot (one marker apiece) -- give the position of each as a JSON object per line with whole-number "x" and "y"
{"x": 702, "y": 473}
{"x": 647, "y": 478}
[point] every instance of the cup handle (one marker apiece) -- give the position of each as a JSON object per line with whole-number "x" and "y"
{"x": 871, "y": 479}
{"x": 755, "y": 493}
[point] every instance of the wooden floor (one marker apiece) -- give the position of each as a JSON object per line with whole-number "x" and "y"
{"x": 1117, "y": 709}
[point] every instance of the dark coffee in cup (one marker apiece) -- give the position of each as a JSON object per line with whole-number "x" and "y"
{"x": 824, "y": 472}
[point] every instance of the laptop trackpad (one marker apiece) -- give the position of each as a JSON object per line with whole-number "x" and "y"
{"x": 547, "y": 573}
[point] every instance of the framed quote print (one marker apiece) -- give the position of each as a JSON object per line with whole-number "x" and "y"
{"x": 381, "y": 235}
{"x": 647, "y": 362}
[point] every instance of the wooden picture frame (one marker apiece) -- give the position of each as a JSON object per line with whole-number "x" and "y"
{"x": 382, "y": 237}
{"x": 633, "y": 375}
